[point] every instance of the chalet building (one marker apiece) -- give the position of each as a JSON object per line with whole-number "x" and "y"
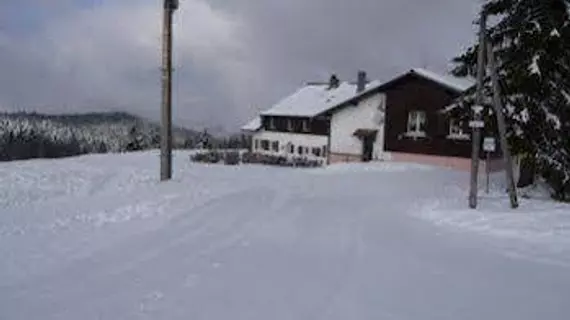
{"x": 419, "y": 128}
{"x": 299, "y": 125}
{"x": 414, "y": 126}
{"x": 403, "y": 119}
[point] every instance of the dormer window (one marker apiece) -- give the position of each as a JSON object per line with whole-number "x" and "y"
{"x": 271, "y": 123}
{"x": 289, "y": 125}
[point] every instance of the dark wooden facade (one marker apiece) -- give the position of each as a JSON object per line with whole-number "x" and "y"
{"x": 415, "y": 93}
{"x": 299, "y": 125}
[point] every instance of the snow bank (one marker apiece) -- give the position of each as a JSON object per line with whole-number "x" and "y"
{"x": 538, "y": 229}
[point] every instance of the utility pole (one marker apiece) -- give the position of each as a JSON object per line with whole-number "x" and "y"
{"x": 486, "y": 52}
{"x": 498, "y": 107}
{"x": 166, "y": 111}
{"x": 477, "y": 116}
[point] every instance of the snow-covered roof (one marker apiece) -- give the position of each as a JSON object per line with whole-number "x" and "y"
{"x": 253, "y": 125}
{"x": 450, "y": 81}
{"x": 313, "y": 99}
{"x": 316, "y": 98}
{"x": 453, "y": 82}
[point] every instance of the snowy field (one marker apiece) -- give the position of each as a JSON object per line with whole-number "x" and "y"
{"x": 97, "y": 237}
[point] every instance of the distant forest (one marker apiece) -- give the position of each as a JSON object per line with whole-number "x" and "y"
{"x": 32, "y": 135}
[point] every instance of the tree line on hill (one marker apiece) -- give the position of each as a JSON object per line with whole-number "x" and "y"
{"x": 32, "y": 135}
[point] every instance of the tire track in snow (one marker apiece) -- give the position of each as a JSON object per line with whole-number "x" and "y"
{"x": 201, "y": 237}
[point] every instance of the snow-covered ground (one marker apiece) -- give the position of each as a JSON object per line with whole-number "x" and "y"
{"x": 97, "y": 237}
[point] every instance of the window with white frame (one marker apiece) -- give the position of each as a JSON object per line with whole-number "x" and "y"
{"x": 265, "y": 145}
{"x": 256, "y": 142}
{"x": 416, "y": 123}
{"x": 316, "y": 151}
{"x": 275, "y": 146}
{"x": 456, "y": 129}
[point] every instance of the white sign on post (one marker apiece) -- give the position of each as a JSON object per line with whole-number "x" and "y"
{"x": 477, "y": 109}
{"x": 489, "y": 144}
{"x": 476, "y": 124}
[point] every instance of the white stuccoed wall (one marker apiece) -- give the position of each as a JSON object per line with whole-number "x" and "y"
{"x": 305, "y": 140}
{"x": 368, "y": 114}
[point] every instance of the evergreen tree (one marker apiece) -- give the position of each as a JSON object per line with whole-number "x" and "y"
{"x": 135, "y": 140}
{"x": 531, "y": 44}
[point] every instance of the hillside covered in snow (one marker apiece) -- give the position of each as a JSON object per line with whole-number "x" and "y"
{"x": 32, "y": 135}
{"x": 98, "y": 237}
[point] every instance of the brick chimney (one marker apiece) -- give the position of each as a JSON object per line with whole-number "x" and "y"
{"x": 334, "y": 82}
{"x": 361, "y": 81}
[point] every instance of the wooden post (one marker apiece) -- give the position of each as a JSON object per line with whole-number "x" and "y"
{"x": 487, "y": 172}
{"x": 498, "y": 107}
{"x": 166, "y": 110}
{"x": 476, "y": 136}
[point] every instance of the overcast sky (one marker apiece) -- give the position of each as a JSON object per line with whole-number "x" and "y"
{"x": 232, "y": 57}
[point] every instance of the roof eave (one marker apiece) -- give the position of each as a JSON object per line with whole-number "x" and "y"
{"x": 422, "y": 74}
{"x": 270, "y": 114}
{"x": 352, "y": 101}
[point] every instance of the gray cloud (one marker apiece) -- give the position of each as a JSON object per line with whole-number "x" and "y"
{"x": 232, "y": 58}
